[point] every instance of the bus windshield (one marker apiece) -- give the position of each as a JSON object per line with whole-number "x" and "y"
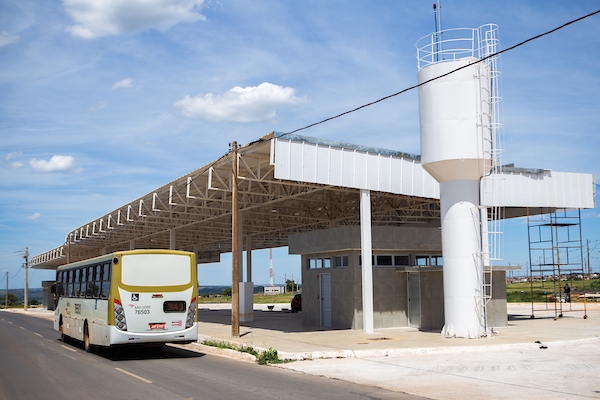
{"x": 155, "y": 270}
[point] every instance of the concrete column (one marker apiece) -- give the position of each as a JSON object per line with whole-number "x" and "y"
{"x": 132, "y": 245}
{"x": 248, "y": 258}
{"x": 366, "y": 247}
{"x": 172, "y": 240}
{"x": 247, "y": 287}
{"x": 241, "y": 246}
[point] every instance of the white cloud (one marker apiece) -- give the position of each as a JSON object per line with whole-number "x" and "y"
{"x": 12, "y": 159}
{"x": 97, "y": 18}
{"x": 7, "y": 38}
{"x": 36, "y": 215}
{"x": 12, "y": 155}
{"x": 590, "y": 214}
{"x": 99, "y": 106}
{"x": 252, "y": 103}
{"x": 56, "y": 164}
{"x": 126, "y": 83}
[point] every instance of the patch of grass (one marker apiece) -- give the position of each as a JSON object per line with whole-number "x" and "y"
{"x": 258, "y": 299}
{"x": 266, "y": 357}
{"x": 270, "y": 357}
{"x": 273, "y": 298}
{"x": 521, "y": 292}
{"x": 226, "y": 345}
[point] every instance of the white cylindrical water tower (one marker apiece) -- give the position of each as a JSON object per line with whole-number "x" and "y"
{"x": 457, "y": 146}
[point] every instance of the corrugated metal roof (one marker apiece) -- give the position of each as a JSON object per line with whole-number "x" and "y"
{"x": 291, "y": 184}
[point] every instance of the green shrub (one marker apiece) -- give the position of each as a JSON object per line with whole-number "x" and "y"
{"x": 268, "y": 357}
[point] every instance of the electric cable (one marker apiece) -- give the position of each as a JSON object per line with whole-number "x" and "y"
{"x": 445, "y": 74}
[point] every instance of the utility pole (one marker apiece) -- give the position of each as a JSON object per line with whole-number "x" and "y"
{"x": 6, "y": 295}
{"x": 235, "y": 243}
{"x": 26, "y": 256}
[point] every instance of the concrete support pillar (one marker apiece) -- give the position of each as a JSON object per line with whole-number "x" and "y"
{"x": 132, "y": 244}
{"x": 367, "y": 264}
{"x": 240, "y": 239}
{"x": 246, "y": 301}
{"x": 248, "y": 258}
{"x": 247, "y": 287}
{"x": 172, "y": 240}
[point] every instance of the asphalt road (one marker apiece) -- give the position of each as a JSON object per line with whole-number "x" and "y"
{"x": 34, "y": 364}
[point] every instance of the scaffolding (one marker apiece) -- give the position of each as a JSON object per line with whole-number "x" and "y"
{"x": 556, "y": 255}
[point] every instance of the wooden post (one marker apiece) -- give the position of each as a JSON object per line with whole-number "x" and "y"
{"x": 235, "y": 246}
{"x": 26, "y": 278}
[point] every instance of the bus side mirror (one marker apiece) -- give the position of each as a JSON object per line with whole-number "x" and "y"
{"x": 53, "y": 288}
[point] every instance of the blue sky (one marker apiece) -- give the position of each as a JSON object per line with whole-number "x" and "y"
{"x": 102, "y": 101}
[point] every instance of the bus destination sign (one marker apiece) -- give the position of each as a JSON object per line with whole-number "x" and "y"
{"x": 174, "y": 306}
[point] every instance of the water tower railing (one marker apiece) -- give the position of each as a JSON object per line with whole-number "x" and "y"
{"x": 455, "y": 44}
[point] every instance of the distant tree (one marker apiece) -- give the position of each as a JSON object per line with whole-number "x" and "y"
{"x": 227, "y": 292}
{"x": 290, "y": 286}
{"x": 34, "y": 302}
{"x": 12, "y": 300}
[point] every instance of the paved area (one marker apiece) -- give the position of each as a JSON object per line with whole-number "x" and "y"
{"x": 565, "y": 364}
{"x": 548, "y": 356}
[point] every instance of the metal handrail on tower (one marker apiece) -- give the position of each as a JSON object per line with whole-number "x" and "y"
{"x": 456, "y": 44}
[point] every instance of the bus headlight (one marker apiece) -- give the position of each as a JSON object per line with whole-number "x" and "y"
{"x": 119, "y": 313}
{"x": 191, "y": 314}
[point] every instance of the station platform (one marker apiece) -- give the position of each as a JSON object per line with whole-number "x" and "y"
{"x": 282, "y": 330}
{"x": 535, "y": 358}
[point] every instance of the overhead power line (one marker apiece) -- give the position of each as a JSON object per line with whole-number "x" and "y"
{"x": 446, "y": 74}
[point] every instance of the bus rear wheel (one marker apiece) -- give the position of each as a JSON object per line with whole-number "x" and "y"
{"x": 86, "y": 340}
{"x": 61, "y": 329}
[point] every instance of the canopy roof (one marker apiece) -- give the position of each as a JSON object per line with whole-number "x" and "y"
{"x": 291, "y": 184}
{"x": 193, "y": 212}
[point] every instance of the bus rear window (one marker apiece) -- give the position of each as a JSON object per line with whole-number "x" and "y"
{"x": 155, "y": 270}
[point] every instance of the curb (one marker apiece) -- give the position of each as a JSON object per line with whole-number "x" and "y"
{"x": 333, "y": 354}
{"x": 229, "y": 353}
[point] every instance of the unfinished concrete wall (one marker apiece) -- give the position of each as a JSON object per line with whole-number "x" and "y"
{"x": 496, "y": 308}
{"x": 390, "y": 301}
{"x": 424, "y": 239}
{"x": 390, "y": 298}
{"x": 432, "y": 299}
{"x": 311, "y": 312}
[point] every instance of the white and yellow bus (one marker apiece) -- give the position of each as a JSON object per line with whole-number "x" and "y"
{"x": 128, "y": 297}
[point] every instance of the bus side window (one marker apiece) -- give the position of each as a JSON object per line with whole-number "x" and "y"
{"x": 91, "y": 287}
{"x": 79, "y": 288}
{"x": 97, "y": 281}
{"x": 105, "y": 292}
{"x": 70, "y": 289}
{"x": 62, "y": 282}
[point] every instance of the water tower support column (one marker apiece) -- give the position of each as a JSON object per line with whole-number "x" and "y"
{"x": 460, "y": 247}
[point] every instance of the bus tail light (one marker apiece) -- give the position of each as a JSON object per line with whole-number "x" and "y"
{"x": 120, "y": 322}
{"x": 191, "y": 315}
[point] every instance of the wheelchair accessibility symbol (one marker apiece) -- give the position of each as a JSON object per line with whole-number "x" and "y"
{"x": 135, "y": 297}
